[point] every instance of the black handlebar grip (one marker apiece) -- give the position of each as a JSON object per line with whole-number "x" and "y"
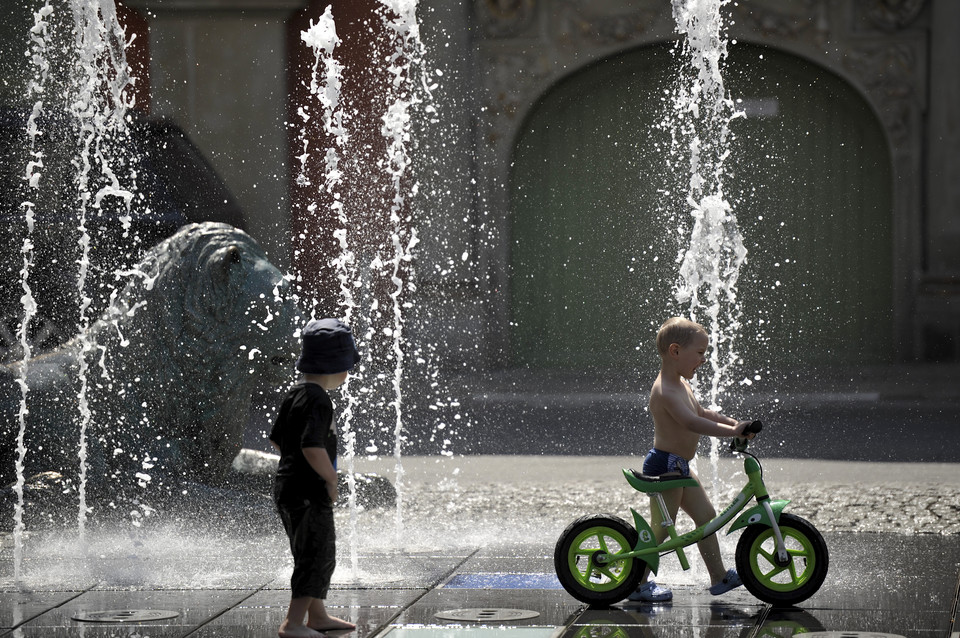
{"x": 753, "y": 428}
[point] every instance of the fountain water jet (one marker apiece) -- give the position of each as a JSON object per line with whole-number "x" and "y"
{"x": 393, "y": 261}
{"x": 710, "y": 263}
{"x": 35, "y": 89}
{"x": 98, "y": 104}
{"x": 362, "y": 298}
{"x": 88, "y": 108}
{"x": 408, "y": 53}
{"x": 96, "y": 100}
{"x": 322, "y": 38}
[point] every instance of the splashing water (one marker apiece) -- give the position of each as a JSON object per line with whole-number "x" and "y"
{"x": 96, "y": 99}
{"x": 393, "y": 257}
{"x": 322, "y": 38}
{"x": 35, "y": 89}
{"x": 407, "y": 55}
{"x": 710, "y": 264}
{"x": 98, "y": 105}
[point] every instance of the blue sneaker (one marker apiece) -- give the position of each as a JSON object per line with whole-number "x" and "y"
{"x": 730, "y": 581}
{"x": 650, "y": 592}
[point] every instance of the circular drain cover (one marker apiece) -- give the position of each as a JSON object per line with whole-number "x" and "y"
{"x": 487, "y": 614}
{"x": 850, "y": 634}
{"x": 125, "y": 615}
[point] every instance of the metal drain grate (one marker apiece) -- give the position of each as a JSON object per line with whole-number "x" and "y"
{"x": 125, "y": 615}
{"x": 850, "y": 634}
{"x": 487, "y": 614}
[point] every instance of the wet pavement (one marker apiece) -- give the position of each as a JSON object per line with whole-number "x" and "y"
{"x": 477, "y": 534}
{"x": 889, "y": 413}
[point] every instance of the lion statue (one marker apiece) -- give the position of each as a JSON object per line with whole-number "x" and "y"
{"x": 203, "y": 322}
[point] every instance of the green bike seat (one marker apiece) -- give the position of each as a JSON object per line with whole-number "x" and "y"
{"x": 652, "y": 484}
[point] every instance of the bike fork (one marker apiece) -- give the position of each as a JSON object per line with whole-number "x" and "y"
{"x": 782, "y": 557}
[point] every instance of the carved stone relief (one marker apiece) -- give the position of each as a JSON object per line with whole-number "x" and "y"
{"x": 890, "y": 15}
{"x": 889, "y": 73}
{"x": 807, "y": 22}
{"x": 580, "y": 22}
{"x": 505, "y": 18}
{"x": 511, "y": 81}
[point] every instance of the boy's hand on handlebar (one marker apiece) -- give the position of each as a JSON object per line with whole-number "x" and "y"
{"x": 746, "y": 429}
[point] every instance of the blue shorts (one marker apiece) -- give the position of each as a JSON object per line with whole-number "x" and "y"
{"x": 659, "y": 462}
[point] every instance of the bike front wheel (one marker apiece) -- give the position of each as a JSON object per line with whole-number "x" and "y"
{"x": 782, "y": 584}
{"x": 582, "y": 574}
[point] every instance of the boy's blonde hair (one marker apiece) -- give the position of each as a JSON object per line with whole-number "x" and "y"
{"x": 679, "y": 331}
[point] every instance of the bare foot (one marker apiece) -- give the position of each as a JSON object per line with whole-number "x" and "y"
{"x": 299, "y": 631}
{"x": 331, "y": 624}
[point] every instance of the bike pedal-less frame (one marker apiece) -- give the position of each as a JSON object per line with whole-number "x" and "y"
{"x": 781, "y": 558}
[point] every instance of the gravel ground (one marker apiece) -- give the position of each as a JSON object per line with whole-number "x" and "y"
{"x": 543, "y": 494}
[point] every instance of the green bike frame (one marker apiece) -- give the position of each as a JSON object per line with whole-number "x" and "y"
{"x": 766, "y": 512}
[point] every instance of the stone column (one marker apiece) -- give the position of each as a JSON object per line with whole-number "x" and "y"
{"x": 943, "y": 169}
{"x": 940, "y": 288}
{"x": 365, "y": 188}
{"x": 217, "y": 69}
{"x": 451, "y": 259}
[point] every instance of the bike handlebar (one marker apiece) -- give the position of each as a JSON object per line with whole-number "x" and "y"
{"x": 753, "y": 428}
{"x": 740, "y": 444}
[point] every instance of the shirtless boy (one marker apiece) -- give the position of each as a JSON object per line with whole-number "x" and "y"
{"x": 679, "y": 421}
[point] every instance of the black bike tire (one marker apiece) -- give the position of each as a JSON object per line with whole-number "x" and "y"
{"x": 564, "y": 546}
{"x": 790, "y": 526}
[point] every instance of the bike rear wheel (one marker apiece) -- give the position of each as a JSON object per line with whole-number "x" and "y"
{"x": 789, "y": 584}
{"x": 576, "y": 555}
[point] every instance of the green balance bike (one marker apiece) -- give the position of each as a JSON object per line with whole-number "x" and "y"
{"x": 781, "y": 558}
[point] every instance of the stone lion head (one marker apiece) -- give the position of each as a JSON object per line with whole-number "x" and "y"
{"x": 203, "y": 321}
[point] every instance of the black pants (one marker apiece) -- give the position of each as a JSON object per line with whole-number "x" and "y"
{"x": 313, "y": 543}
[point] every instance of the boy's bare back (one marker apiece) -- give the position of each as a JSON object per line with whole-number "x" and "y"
{"x": 670, "y": 435}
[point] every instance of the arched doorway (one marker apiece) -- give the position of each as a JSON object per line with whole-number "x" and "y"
{"x": 594, "y": 230}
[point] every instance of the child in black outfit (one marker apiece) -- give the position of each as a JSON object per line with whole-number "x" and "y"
{"x": 305, "y": 490}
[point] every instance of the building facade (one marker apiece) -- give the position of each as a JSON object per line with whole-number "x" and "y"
{"x": 549, "y": 223}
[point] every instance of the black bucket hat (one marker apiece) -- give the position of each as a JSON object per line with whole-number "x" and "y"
{"x": 328, "y": 347}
